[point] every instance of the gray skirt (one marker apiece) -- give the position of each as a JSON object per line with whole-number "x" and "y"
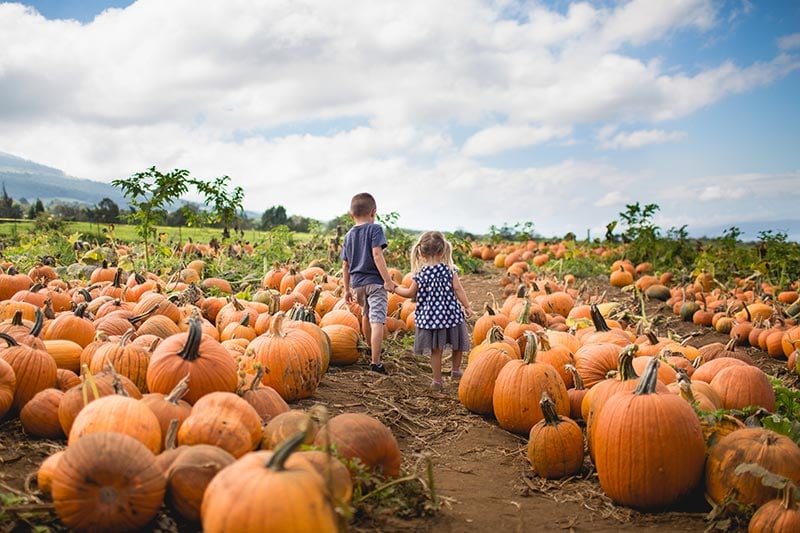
{"x": 456, "y": 337}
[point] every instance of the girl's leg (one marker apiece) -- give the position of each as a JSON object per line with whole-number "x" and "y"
{"x": 457, "y": 362}
{"x": 436, "y": 364}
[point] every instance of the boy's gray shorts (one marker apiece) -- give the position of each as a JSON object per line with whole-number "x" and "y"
{"x": 374, "y": 302}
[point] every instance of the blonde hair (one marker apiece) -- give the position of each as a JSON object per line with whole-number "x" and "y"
{"x": 431, "y": 244}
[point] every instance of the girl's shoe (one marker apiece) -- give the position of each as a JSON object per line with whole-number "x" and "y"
{"x": 436, "y": 385}
{"x": 456, "y": 374}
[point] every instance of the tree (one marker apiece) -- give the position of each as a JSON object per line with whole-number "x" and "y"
{"x": 274, "y": 216}
{"x": 6, "y": 204}
{"x": 227, "y": 205}
{"x": 148, "y": 194}
{"x": 107, "y": 211}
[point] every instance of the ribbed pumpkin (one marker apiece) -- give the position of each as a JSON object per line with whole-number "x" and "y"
{"x": 555, "y": 445}
{"x": 189, "y": 473}
{"x": 741, "y": 386}
{"x": 74, "y": 326}
{"x": 208, "y": 364}
{"x": 222, "y": 419}
{"x": 265, "y": 400}
{"x": 129, "y": 360}
{"x": 346, "y": 344}
{"x": 284, "y": 425}
{"x": 66, "y": 353}
{"x": 34, "y": 370}
{"x": 289, "y": 498}
{"x": 168, "y": 407}
{"x": 39, "y": 417}
{"x": 769, "y": 450}
{"x": 595, "y": 361}
{"x": 46, "y": 471}
{"x": 648, "y": 446}
{"x": 8, "y": 384}
{"x": 781, "y": 515}
{"x": 290, "y": 357}
{"x": 520, "y": 385}
{"x": 340, "y": 316}
{"x": 358, "y": 435}
{"x": 317, "y": 332}
{"x": 107, "y": 482}
{"x": 119, "y": 414}
{"x": 476, "y": 388}
{"x": 485, "y": 322}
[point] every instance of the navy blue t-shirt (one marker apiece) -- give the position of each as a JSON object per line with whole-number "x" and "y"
{"x": 357, "y": 251}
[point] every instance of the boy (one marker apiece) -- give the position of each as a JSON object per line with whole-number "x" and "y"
{"x": 364, "y": 270}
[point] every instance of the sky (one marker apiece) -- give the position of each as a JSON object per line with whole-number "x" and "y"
{"x": 454, "y": 114}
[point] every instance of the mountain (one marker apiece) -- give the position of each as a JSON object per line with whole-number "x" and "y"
{"x": 26, "y": 179}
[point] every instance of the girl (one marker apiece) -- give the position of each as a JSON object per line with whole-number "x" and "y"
{"x": 438, "y": 318}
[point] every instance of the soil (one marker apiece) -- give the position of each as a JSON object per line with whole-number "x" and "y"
{"x": 481, "y": 479}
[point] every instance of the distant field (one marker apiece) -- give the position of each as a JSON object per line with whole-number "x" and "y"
{"x": 126, "y": 232}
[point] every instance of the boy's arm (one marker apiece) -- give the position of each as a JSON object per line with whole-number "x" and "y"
{"x": 346, "y": 281}
{"x": 380, "y": 263}
{"x": 407, "y": 292}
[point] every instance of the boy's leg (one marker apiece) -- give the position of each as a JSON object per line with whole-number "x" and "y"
{"x": 376, "y": 341}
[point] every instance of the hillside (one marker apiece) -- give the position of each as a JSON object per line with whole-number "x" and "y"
{"x": 26, "y": 179}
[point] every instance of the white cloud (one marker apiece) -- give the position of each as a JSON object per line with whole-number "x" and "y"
{"x": 713, "y": 193}
{"x": 789, "y": 42}
{"x": 638, "y": 139}
{"x": 496, "y": 139}
{"x": 390, "y": 96}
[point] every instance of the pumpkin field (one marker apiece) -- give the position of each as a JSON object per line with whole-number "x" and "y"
{"x": 611, "y": 386}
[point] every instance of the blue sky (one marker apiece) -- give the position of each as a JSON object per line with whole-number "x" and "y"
{"x": 455, "y": 115}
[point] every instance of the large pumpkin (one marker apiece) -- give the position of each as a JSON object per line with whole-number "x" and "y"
{"x": 771, "y": 451}
{"x": 261, "y": 492}
{"x": 290, "y": 357}
{"x": 107, "y": 482}
{"x": 648, "y": 446}
{"x": 358, "y": 435}
{"x": 476, "y": 388}
{"x": 519, "y": 386}
{"x": 208, "y": 364}
{"x": 34, "y": 369}
{"x": 119, "y": 414}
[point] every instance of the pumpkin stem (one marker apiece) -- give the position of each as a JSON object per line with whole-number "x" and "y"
{"x": 179, "y": 391}
{"x": 489, "y": 310}
{"x": 598, "y": 320}
{"x": 88, "y": 378}
{"x": 625, "y": 363}
{"x": 171, "y": 438}
{"x": 16, "y": 320}
{"x": 647, "y": 385}
{"x": 276, "y": 324}
{"x": 495, "y": 334}
{"x": 549, "y": 410}
{"x": 38, "y": 323}
{"x": 576, "y": 377}
{"x": 257, "y": 378}
{"x": 284, "y": 450}
{"x": 531, "y": 348}
{"x": 190, "y": 352}
{"x": 524, "y": 315}
{"x": 9, "y": 339}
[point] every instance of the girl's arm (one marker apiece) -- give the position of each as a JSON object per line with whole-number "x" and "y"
{"x": 407, "y": 292}
{"x": 462, "y": 295}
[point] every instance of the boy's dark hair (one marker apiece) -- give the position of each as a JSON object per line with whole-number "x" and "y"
{"x": 362, "y": 204}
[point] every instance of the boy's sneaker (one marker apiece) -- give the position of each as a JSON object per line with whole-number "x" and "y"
{"x": 379, "y": 368}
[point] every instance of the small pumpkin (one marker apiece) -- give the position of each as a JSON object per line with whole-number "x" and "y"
{"x": 555, "y": 446}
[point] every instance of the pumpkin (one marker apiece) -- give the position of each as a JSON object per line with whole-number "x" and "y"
{"x": 107, "y": 482}
{"x": 361, "y": 436}
{"x": 518, "y": 383}
{"x": 707, "y": 371}
{"x": 168, "y": 407}
{"x": 595, "y": 361}
{"x": 207, "y": 363}
{"x": 781, "y": 515}
{"x": 636, "y": 440}
{"x": 741, "y": 386}
{"x": 763, "y": 447}
{"x": 119, "y": 414}
{"x": 34, "y": 370}
{"x": 74, "y": 326}
{"x": 476, "y": 387}
{"x": 485, "y": 322}
{"x": 66, "y": 353}
{"x": 223, "y": 419}
{"x": 129, "y": 360}
{"x": 332, "y": 470}
{"x": 8, "y": 384}
{"x": 555, "y": 446}
{"x": 576, "y": 393}
{"x": 189, "y": 473}
{"x": 289, "y": 498}
{"x": 265, "y": 400}
{"x": 290, "y": 357}
{"x": 286, "y": 424}
{"x": 346, "y": 344}
{"x": 39, "y": 417}
{"x": 46, "y": 471}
